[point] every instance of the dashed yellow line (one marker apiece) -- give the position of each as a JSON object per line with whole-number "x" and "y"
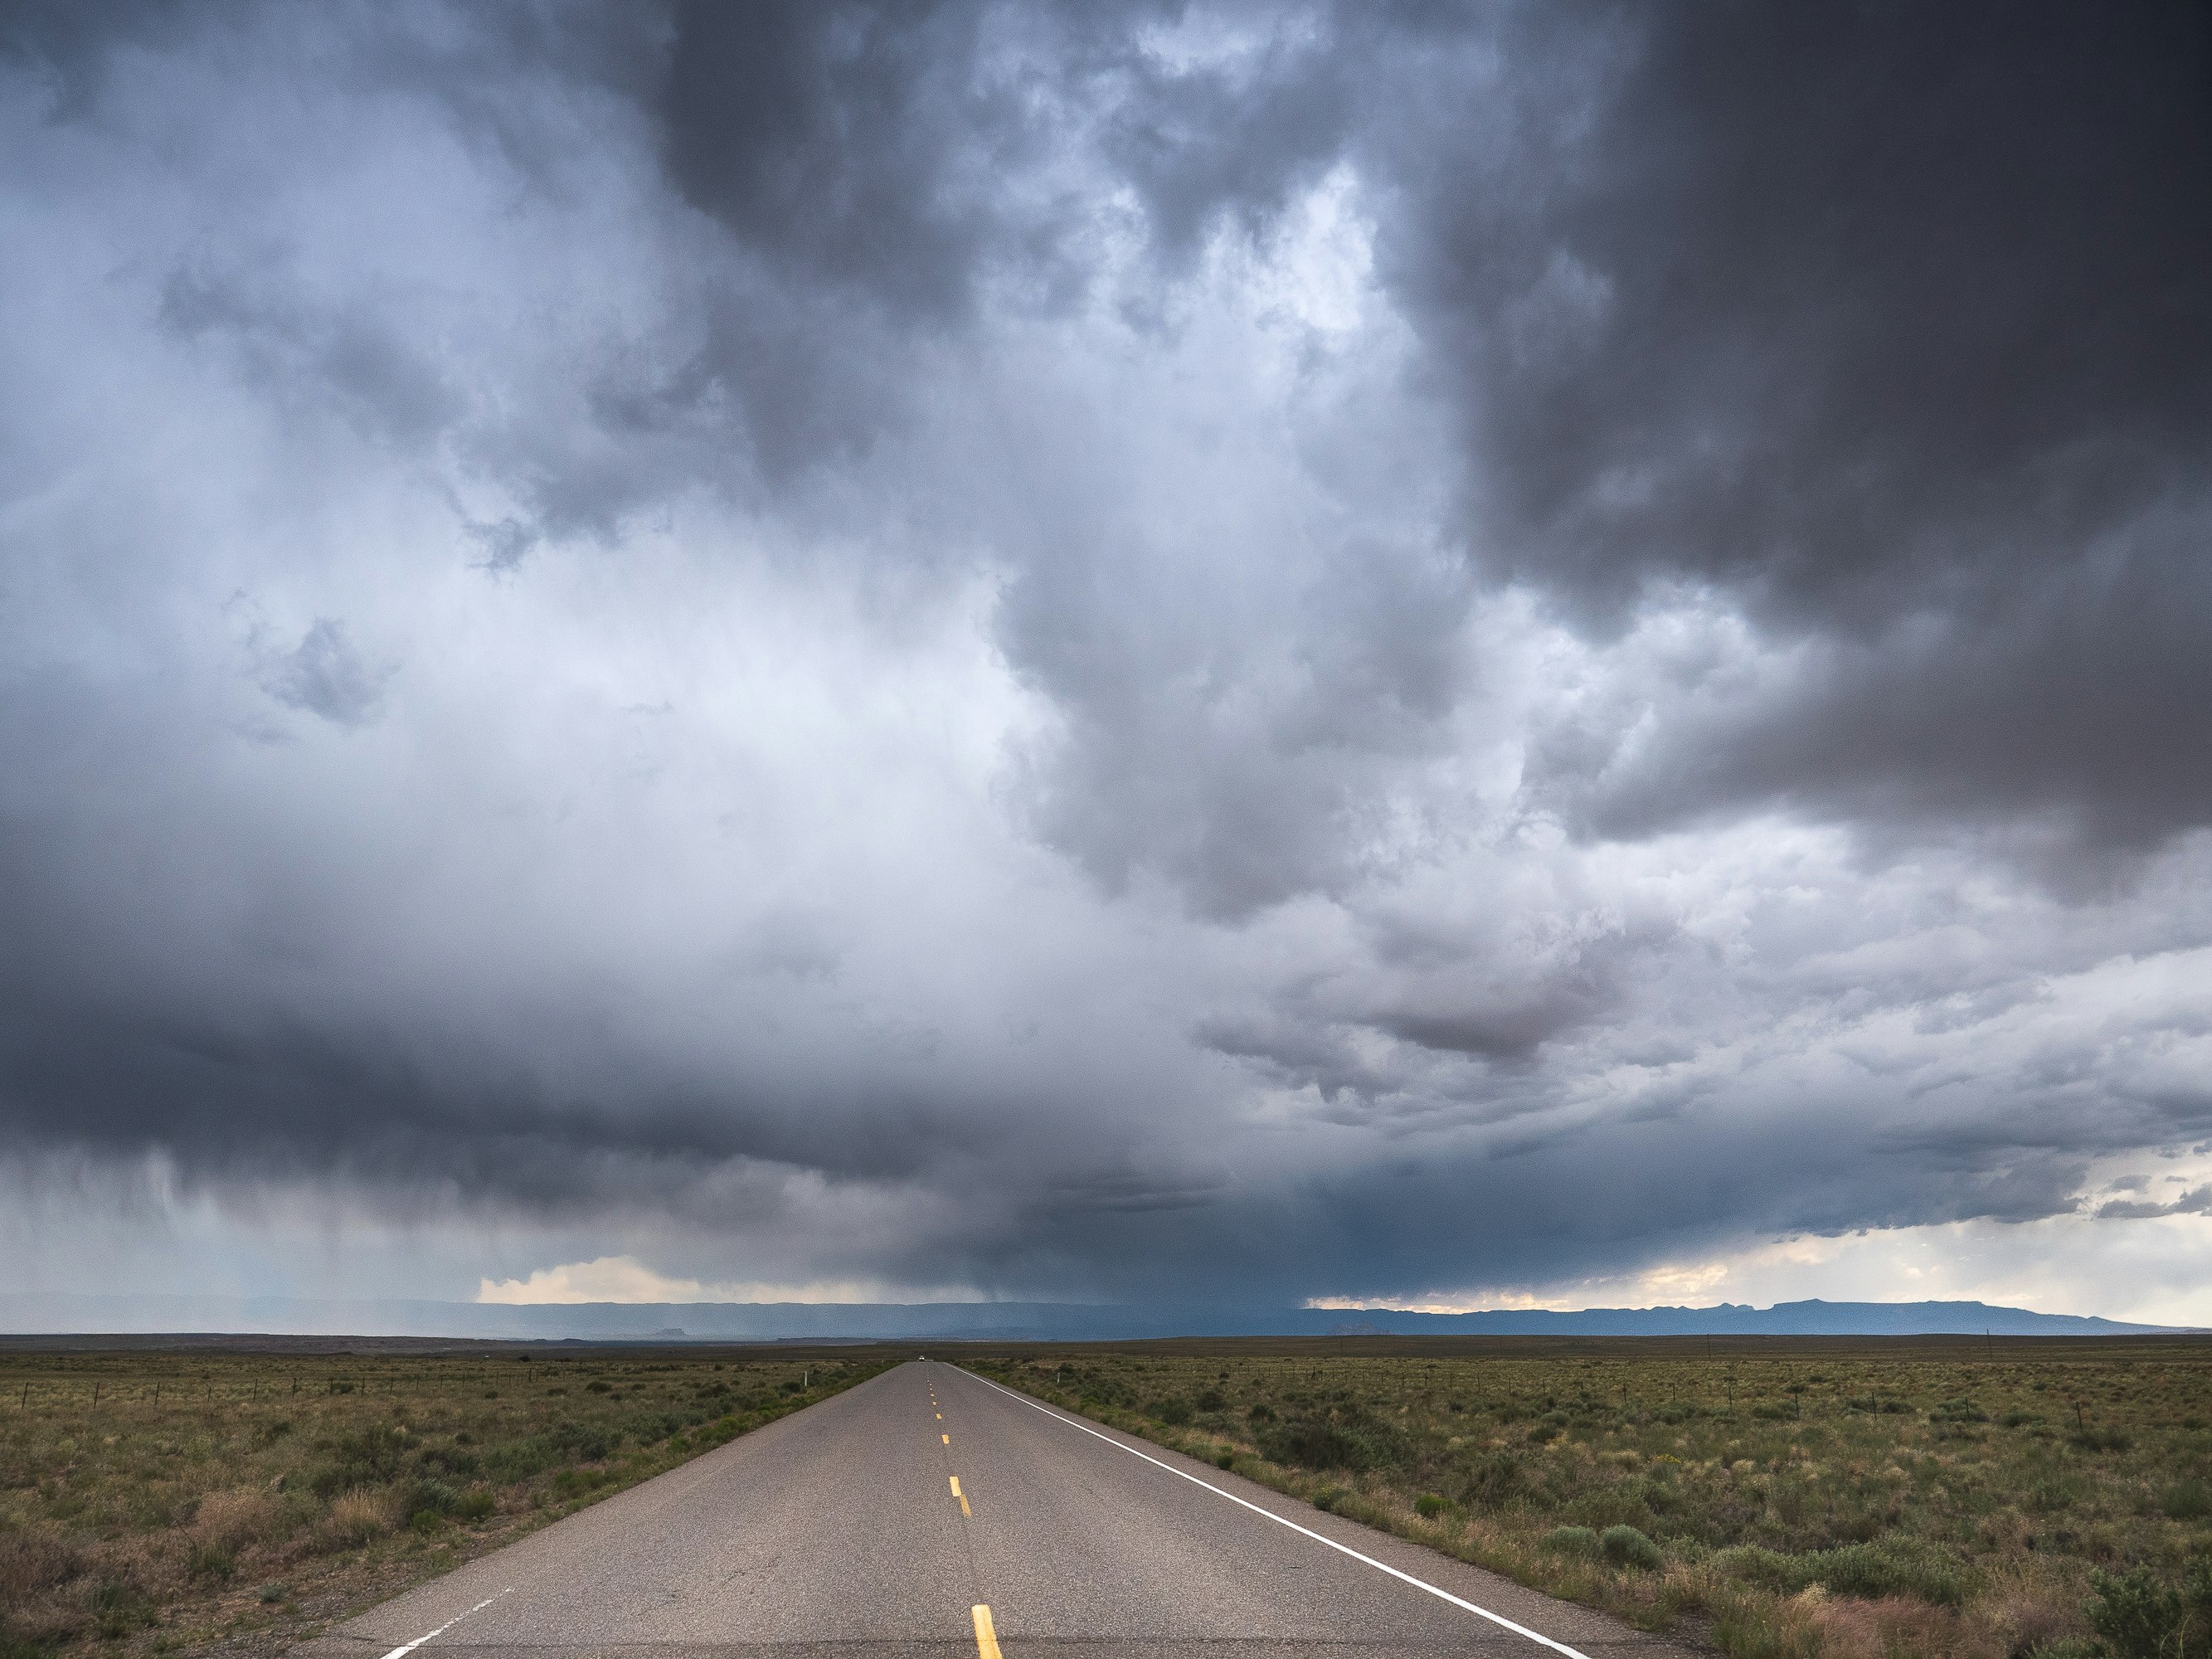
{"x": 946, "y": 1438}
{"x": 962, "y": 1496}
{"x": 987, "y": 1639}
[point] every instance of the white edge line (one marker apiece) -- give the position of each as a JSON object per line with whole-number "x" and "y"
{"x": 1342, "y": 1549}
{"x": 409, "y": 1647}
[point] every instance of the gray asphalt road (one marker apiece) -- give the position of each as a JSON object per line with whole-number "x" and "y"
{"x": 843, "y": 1530}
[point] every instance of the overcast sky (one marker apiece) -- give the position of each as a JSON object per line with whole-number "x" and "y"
{"x": 1435, "y": 654}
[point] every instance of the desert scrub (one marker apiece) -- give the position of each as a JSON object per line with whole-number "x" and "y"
{"x": 154, "y": 1499}
{"x": 1952, "y": 1498}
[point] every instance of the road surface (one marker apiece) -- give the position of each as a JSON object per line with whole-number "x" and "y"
{"x": 928, "y": 1511}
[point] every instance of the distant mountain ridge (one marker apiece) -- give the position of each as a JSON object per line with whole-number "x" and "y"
{"x": 56, "y": 1314}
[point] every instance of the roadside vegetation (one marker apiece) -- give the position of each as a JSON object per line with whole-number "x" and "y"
{"x": 166, "y": 1502}
{"x": 1789, "y": 1500}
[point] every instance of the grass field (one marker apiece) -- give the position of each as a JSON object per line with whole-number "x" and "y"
{"x": 1793, "y": 1497}
{"x": 180, "y": 1502}
{"x": 1788, "y": 1497}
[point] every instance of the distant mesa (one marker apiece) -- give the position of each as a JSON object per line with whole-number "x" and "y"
{"x": 45, "y": 1313}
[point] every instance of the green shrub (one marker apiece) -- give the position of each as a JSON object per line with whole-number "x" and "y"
{"x": 119, "y": 1607}
{"x": 1348, "y": 1439}
{"x": 2053, "y": 1493}
{"x": 1431, "y": 1505}
{"x": 511, "y": 1464}
{"x": 1624, "y": 1546}
{"x": 584, "y": 1445}
{"x": 211, "y": 1560}
{"x": 474, "y": 1505}
{"x": 1769, "y": 1569}
{"x": 657, "y": 1427}
{"x": 432, "y": 1497}
{"x": 1620, "y": 1504}
{"x": 1572, "y": 1540}
{"x": 369, "y": 1456}
{"x": 2137, "y": 1616}
{"x": 455, "y": 1460}
{"x": 2187, "y": 1500}
{"x": 1894, "y": 1567}
{"x": 1174, "y": 1411}
{"x": 1496, "y": 1481}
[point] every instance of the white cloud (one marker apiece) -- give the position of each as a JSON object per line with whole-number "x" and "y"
{"x": 2154, "y": 1272}
{"x": 625, "y": 1279}
{"x": 609, "y": 1278}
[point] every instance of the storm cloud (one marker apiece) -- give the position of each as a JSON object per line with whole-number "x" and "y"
{"x": 1109, "y": 650}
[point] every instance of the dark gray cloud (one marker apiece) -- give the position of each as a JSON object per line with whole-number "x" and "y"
{"x": 2195, "y": 1201}
{"x": 1861, "y": 309}
{"x": 1889, "y": 323}
{"x": 854, "y": 146}
{"x": 1104, "y": 649}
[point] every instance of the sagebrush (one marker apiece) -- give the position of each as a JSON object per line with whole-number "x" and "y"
{"x": 165, "y": 1503}
{"x": 1954, "y": 1500}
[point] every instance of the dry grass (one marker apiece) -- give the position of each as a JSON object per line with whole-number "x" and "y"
{"x": 1929, "y": 1501}
{"x": 1889, "y": 1500}
{"x": 356, "y": 1518}
{"x": 164, "y": 1502}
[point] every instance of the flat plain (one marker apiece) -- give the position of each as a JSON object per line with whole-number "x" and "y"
{"x": 1954, "y": 1498}
{"x": 159, "y": 1499}
{"x": 929, "y": 1514}
{"x": 1786, "y": 1497}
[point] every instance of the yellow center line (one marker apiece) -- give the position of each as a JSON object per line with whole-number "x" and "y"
{"x": 987, "y": 1639}
{"x": 962, "y": 1496}
{"x": 946, "y": 1438}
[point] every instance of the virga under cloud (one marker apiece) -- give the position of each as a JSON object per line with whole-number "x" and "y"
{"x": 1222, "y": 650}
